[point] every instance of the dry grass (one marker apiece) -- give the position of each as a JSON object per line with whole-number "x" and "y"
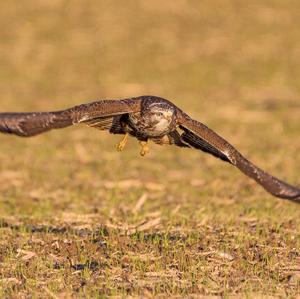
{"x": 81, "y": 220}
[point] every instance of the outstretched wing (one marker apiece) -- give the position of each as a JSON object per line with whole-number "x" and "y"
{"x": 104, "y": 113}
{"x": 201, "y": 137}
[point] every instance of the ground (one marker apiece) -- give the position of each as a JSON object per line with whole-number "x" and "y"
{"x": 79, "y": 219}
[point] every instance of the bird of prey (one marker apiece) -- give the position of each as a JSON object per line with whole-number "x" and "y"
{"x": 146, "y": 118}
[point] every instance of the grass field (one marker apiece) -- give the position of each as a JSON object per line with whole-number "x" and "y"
{"x": 78, "y": 219}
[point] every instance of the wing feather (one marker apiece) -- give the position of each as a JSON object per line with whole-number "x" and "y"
{"x": 199, "y": 143}
{"x": 104, "y": 108}
{"x": 33, "y": 123}
{"x": 111, "y": 124}
{"x": 200, "y": 136}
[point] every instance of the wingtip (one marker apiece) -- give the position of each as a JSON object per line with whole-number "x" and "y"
{"x": 289, "y": 192}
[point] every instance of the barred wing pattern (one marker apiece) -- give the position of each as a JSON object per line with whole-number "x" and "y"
{"x": 201, "y": 137}
{"x": 34, "y": 123}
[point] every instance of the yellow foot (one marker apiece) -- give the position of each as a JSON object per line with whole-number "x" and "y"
{"x": 145, "y": 149}
{"x": 120, "y": 146}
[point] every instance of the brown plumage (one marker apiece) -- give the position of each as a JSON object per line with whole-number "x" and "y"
{"x": 146, "y": 117}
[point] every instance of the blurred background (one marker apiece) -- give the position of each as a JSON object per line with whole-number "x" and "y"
{"x": 233, "y": 65}
{"x": 79, "y": 218}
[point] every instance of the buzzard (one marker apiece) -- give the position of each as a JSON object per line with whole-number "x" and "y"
{"x": 146, "y": 118}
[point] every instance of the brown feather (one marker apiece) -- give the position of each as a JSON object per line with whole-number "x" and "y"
{"x": 200, "y": 136}
{"x": 111, "y": 124}
{"x": 34, "y": 123}
{"x": 199, "y": 143}
{"x": 31, "y": 124}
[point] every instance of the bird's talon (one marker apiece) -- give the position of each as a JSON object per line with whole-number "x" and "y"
{"x": 121, "y": 145}
{"x": 144, "y": 152}
{"x": 145, "y": 149}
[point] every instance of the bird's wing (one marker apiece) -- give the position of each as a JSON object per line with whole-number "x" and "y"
{"x": 33, "y": 123}
{"x": 201, "y": 137}
{"x": 113, "y": 124}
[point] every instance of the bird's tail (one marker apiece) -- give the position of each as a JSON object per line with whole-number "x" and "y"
{"x": 33, "y": 123}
